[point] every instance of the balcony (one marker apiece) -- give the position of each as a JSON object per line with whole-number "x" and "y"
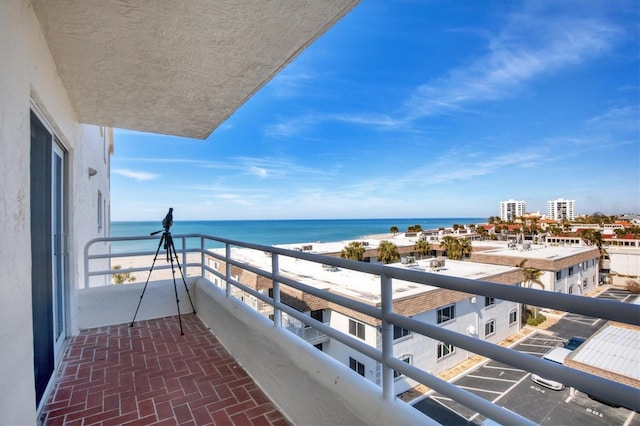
{"x": 124, "y": 365}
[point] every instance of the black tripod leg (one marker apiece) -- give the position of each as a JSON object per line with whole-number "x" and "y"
{"x": 182, "y": 275}
{"x": 148, "y": 276}
{"x": 175, "y": 288}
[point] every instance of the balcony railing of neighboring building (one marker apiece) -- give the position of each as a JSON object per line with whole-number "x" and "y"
{"x": 627, "y": 313}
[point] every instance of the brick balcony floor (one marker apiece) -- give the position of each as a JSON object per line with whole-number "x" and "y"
{"x": 149, "y": 374}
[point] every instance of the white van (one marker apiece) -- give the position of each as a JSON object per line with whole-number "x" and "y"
{"x": 555, "y": 355}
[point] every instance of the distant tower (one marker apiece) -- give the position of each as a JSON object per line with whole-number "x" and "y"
{"x": 510, "y": 210}
{"x": 561, "y": 209}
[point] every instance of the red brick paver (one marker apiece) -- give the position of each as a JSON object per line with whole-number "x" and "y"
{"x": 149, "y": 374}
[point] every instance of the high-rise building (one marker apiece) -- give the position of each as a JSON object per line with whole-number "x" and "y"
{"x": 512, "y": 209}
{"x": 561, "y": 209}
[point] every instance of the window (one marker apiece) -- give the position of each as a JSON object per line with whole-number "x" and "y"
{"x": 356, "y": 329}
{"x": 570, "y": 270}
{"x": 489, "y": 301}
{"x": 399, "y": 332}
{"x": 356, "y": 366}
{"x": 406, "y": 359}
{"x": 446, "y": 314}
{"x": 513, "y": 317}
{"x": 318, "y": 315}
{"x": 445, "y": 350}
{"x": 489, "y": 328}
{"x": 558, "y": 275}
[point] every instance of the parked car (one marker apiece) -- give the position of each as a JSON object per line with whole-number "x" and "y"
{"x": 574, "y": 342}
{"x": 556, "y": 355}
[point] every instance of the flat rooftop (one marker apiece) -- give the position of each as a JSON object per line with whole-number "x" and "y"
{"x": 614, "y": 349}
{"x": 359, "y": 285}
{"x": 535, "y": 251}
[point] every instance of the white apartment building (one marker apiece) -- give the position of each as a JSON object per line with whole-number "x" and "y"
{"x": 569, "y": 266}
{"x": 478, "y": 316}
{"x": 561, "y": 209}
{"x": 510, "y": 210}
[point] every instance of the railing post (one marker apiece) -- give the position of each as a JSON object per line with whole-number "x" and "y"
{"x": 228, "y": 272}
{"x": 275, "y": 269}
{"x": 202, "y": 258}
{"x": 386, "y": 295}
{"x": 184, "y": 256}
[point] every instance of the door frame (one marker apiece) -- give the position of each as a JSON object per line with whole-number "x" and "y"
{"x": 50, "y": 289}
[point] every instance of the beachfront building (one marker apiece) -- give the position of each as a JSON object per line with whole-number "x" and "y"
{"x": 569, "y": 267}
{"x": 486, "y": 318}
{"x": 512, "y": 209}
{"x": 561, "y": 209}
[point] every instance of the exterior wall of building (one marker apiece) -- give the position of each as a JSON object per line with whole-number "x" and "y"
{"x": 471, "y": 318}
{"x": 29, "y": 81}
{"x": 579, "y": 278}
{"x": 561, "y": 209}
{"x": 510, "y": 210}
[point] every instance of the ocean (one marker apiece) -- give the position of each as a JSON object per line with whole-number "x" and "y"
{"x": 270, "y": 232}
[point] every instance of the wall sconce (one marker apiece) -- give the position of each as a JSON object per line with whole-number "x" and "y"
{"x": 92, "y": 172}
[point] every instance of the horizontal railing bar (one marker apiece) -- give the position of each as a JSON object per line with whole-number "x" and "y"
{"x": 627, "y": 395}
{"x": 605, "y": 309}
{"x": 464, "y": 397}
{"x": 598, "y": 308}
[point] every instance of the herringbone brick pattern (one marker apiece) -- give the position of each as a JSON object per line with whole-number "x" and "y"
{"x": 149, "y": 374}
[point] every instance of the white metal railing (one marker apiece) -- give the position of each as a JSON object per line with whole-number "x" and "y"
{"x": 606, "y": 309}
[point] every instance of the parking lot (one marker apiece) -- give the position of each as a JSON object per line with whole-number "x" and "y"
{"x": 513, "y": 388}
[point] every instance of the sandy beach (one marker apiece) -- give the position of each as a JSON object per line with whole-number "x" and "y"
{"x": 161, "y": 268}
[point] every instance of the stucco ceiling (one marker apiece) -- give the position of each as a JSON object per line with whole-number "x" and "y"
{"x": 177, "y": 67}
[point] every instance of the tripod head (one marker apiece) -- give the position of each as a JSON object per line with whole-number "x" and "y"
{"x": 167, "y": 222}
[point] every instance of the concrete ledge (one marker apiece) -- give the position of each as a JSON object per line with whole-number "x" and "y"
{"x": 307, "y": 385}
{"x": 116, "y": 304}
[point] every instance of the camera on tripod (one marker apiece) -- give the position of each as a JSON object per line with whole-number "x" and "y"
{"x": 168, "y": 220}
{"x": 172, "y": 255}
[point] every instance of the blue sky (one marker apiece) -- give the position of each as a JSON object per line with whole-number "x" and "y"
{"x": 417, "y": 109}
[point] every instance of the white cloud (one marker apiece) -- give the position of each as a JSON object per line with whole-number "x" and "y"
{"x": 531, "y": 45}
{"x": 135, "y": 174}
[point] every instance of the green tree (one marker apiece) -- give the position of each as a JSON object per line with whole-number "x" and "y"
{"x": 456, "y": 248}
{"x": 594, "y": 237}
{"x": 388, "y": 252}
{"x": 414, "y": 228}
{"x": 354, "y": 251}
{"x": 394, "y": 230}
{"x": 482, "y": 231}
{"x": 122, "y": 277}
{"x": 422, "y": 247}
{"x": 465, "y": 247}
{"x": 452, "y": 247}
{"x": 530, "y": 276}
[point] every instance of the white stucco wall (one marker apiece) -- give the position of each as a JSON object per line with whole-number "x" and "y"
{"x": 306, "y": 384}
{"x": 29, "y": 74}
{"x": 574, "y": 283}
{"x": 470, "y": 317}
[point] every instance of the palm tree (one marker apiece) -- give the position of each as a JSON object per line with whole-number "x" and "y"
{"x": 594, "y": 237}
{"x": 465, "y": 247}
{"x": 452, "y": 247}
{"x": 394, "y": 230}
{"x": 482, "y": 231}
{"x": 388, "y": 252}
{"x": 422, "y": 247}
{"x": 354, "y": 251}
{"x": 530, "y": 276}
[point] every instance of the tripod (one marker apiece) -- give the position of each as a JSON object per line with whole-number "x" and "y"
{"x": 171, "y": 252}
